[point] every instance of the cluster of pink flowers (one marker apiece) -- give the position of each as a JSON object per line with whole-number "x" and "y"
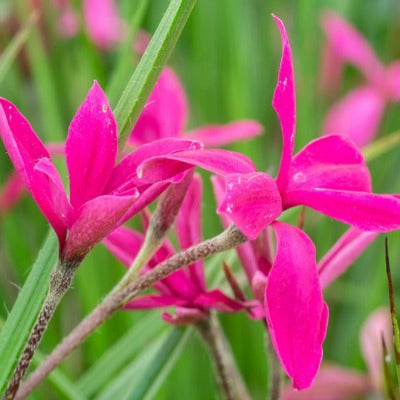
{"x": 328, "y": 175}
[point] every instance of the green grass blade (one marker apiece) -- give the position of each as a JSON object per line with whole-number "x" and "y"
{"x": 26, "y": 309}
{"x": 381, "y": 146}
{"x": 150, "y": 66}
{"x": 120, "y": 354}
{"x": 13, "y": 48}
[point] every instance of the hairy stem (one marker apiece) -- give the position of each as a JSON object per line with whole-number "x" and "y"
{"x": 274, "y": 370}
{"x": 228, "y": 239}
{"x": 60, "y": 281}
{"x": 229, "y": 377}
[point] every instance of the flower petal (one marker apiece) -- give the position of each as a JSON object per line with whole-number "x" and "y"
{"x": 165, "y": 113}
{"x": 220, "y": 162}
{"x": 188, "y": 225}
{"x": 393, "y": 80}
{"x": 377, "y": 325}
{"x": 11, "y": 192}
{"x": 91, "y": 147}
{"x": 251, "y": 201}
{"x": 221, "y": 135}
{"x": 296, "y": 313}
{"x": 349, "y": 45}
{"x": 216, "y": 300}
{"x": 357, "y": 116}
{"x": 154, "y": 301}
{"x": 104, "y": 25}
{"x": 284, "y": 104}
{"x": 366, "y": 211}
{"x": 332, "y": 383}
{"x": 330, "y": 162}
{"x": 343, "y": 254}
{"x": 25, "y": 150}
{"x": 185, "y": 316}
{"x": 93, "y": 221}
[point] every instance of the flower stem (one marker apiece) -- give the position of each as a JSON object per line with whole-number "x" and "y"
{"x": 274, "y": 370}
{"x": 60, "y": 281}
{"x": 228, "y": 239}
{"x": 229, "y": 377}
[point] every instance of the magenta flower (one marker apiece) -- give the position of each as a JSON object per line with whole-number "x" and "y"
{"x": 102, "y": 196}
{"x": 166, "y": 113}
{"x": 328, "y": 175}
{"x": 338, "y": 383}
{"x": 359, "y": 113}
{"x": 184, "y": 289}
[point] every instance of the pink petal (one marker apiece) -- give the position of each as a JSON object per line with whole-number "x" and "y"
{"x": 296, "y": 313}
{"x": 357, "y": 116}
{"x": 221, "y": 135}
{"x": 126, "y": 170}
{"x": 377, "y": 324}
{"x": 68, "y": 23}
{"x": 93, "y": 221}
{"x": 343, "y": 254}
{"x": 366, "y": 211}
{"x": 124, "y": 243}
{"x": 165, "y": 113}
{"x": 284, "y": 104}
{"x": 188, "y": 225}
{"x": 154, "y": 301}
{"x": 329, "y": 162}
{"x": 219, "y": 301}
{"x": 11, "y": 192}
{"x": 332, "y": 383}
{"x": 103, "y": 23}
{"x": 185, "y": 316}
{"x": 220, "y": 162}
{"x": 91, "y": 147}
{"x": 331, "y": 69}
{"x": 392, "y": 78}
{"x": 252, "y": 202}
{"x": 350, "y": 45}
{"x": 56, "y": 149}
{"x": 25, "y": 150}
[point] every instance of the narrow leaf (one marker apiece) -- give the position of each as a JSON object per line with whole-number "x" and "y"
{"x": 150, "y": 66}
{"x": 26, "y": 309}
{"x": 381, "y": 146}
{"x": 387, "y": 373}
{"x": 13, "y": 48}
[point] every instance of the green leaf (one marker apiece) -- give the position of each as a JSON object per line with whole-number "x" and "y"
{"x": 121, "y": 353}
{"x": 140, "y": 376}
{"x": 10, "y": 53}
{"x": 23, "y": 315}
{"x": 150, "y": 66}
{"x": 381, "y": 146}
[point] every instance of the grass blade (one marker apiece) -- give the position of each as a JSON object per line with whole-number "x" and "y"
{"x": 26, "y": 309}
{"x": 150, "y": 66}
{"x": 381, "y": 146}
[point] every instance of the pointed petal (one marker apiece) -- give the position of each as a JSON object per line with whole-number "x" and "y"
{"x": 93, "y": 221}
{"x": 103, "y": 23}
{"x": 25, "y": 150}
{"x": 221, "y": 135}
{"x": 185, "y": 316}
{"x": 296, "y": 313}
{"x": 366, "y": 211}
{"x": 284, "y": 103}
{"x": 332, "y": 383}
{"x": 220, "y": 162}
{"x": 154, "y": 301}
{"x": 343, "y": 254}
{"x": 124, "y": 243}
{"x": 216, "y": 300}
{"x": 126, "y": 170}
{"x": 91, "y": 147}
{"x": 349, "y": 45}
{"x": 357, "y": 116}
{"x": 377, "y": 324}
{"x": 188, "y": 225}
{"x": 252, "y": 201}
{"x": 329, "y": 162}
{"x": 165, "y": 113}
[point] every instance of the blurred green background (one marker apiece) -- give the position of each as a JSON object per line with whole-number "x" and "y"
{"x": 227, "y": 58}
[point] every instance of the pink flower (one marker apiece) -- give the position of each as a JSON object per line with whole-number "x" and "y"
{"x": 359, "y": 113}
{"x": 338, "y": 383}
{"x": 102, "y": 195}
{"x": 184, "y": 289}
{"x": 166, "y": 113}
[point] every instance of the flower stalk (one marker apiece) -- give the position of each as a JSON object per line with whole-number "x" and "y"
{"x": 229, "y": 377}
{"x": 274, "y": 370}
{"x": 60, "y": 281}
{"x": 226, "y": 240}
